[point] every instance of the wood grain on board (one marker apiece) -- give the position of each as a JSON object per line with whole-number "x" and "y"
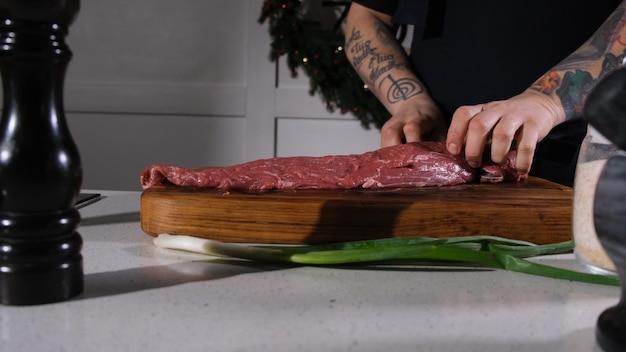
{"x": 537, "y": 210}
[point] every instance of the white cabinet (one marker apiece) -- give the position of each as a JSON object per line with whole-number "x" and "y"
{"x": 188, "y": 82}
{"x": 305, "y": 127}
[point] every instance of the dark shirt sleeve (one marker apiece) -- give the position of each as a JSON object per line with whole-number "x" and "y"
{"x": 384, "y": 6}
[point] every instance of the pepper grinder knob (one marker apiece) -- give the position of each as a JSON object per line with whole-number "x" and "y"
{"x": 605, "y": 110}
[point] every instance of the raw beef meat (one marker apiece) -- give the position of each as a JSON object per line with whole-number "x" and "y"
{"x": 494, "y": 173}
{"x": 406, "y": 165}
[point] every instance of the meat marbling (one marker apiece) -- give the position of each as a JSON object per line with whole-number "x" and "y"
{"x": 418, "y": 164}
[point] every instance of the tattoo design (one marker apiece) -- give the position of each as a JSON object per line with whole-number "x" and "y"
{"x": 354, "y": 36}
{"x": 577, "y": 85}
{"x": 577, "y": 80}
{"x": 402, "y": 89}
{"x": 369, "y": 60}
{"x": 547, "y": 83}
{"x": 574, "y": 90}
{"x": 377, "y": 69}
{"x": 361, "y": 51}
{"x": 612, "y": 63}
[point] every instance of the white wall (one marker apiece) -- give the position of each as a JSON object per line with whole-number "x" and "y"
{"x": 188, "y": 82}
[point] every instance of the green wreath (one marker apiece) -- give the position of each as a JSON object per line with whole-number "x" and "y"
{"x": 319, "y": 53}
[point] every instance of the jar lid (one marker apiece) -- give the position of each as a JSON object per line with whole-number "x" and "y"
{"x": 597, "y": 137}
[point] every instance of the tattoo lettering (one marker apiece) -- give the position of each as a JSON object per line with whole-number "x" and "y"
{"x": 376, "y": 58}
{"x": 378, "y": 63}
{"x": 354, "y": 36}
{"x": 379, "y": 70}
{"x": 402, "y": 89}
{"x": 361, "y": 51}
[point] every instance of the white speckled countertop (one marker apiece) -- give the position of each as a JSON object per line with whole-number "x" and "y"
{"x": 141, "y": 298}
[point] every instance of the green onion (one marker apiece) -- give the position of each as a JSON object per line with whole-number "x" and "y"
{"x": 485, "y": 251}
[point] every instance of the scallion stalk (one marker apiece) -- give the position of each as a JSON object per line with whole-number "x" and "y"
{"x": 485, "y": 251}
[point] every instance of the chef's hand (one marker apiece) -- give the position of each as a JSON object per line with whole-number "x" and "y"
{"x": 526, "y": 119}
{"x": 417, "y": 120}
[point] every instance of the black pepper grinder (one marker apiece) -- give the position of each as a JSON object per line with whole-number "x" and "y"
{"x": 605, "y": 110}
{"x": 40, "y": 170}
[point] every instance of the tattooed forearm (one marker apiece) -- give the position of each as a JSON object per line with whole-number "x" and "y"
{"x": 577, "y": 85}
{"x": 380, "y": 64}
{"x": 573, "y": 78}
{"x": 364, "y": 51}
{"x": 375, "y": 55}
{"x": 598, "y": 44}
{"x": 573, "y": 89}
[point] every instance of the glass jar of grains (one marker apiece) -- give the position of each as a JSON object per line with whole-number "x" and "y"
{"x": 595, "y": 150}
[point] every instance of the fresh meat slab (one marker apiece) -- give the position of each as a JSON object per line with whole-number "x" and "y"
{"x": 407, "y": 165}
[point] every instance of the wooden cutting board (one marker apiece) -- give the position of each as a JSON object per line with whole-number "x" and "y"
{"x": 536, "y": 210}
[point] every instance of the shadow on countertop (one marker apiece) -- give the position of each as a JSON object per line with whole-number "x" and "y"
{"x": 159, "y": 276}
{"x": 110, "y": 219}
